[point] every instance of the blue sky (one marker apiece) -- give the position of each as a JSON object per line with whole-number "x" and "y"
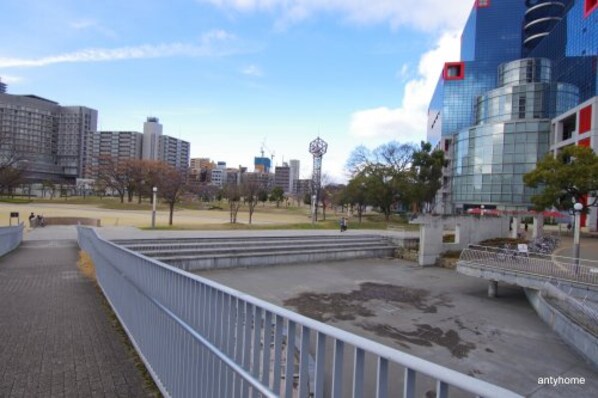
{"x": 227, "y": 75}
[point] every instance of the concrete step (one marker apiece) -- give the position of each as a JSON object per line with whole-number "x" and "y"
{"x": 265, "y": 258}
{"x": 139, "y": 243}
{"x": 207, "y": 252}
{"x": 191, "y": 249}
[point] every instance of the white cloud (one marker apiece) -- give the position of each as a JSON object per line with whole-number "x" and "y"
{"x": 403, "y": 73}
{"x": 407, "y": 123}
{"x": 420, "y": 14}
{"x": 253, "y": 71}
{"x": 11, "y": 79}
{"x": 90, "y": 24}
{"x": 212, "y": 44}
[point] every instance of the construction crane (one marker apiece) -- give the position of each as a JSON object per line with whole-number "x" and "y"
{"x": 265, "y": 148}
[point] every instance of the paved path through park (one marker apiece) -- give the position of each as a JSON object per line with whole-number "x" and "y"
{"x": 56, "y": 337}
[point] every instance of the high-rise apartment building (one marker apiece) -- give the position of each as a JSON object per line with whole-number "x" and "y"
{"x": 75, "y": 124}
{"x": 282, "y": 177}
{"x": 2, "y": 87}
{"x": 152, "y": 131}
{"x": 48, "y": 137}
{"x": 524, "y": 64}
{"x": 117, "y": 145}
{"x": 294, "y": 175}
{"x": 173, "y": 151}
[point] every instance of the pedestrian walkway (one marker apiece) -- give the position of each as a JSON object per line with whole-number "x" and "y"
{"x": 56, "y": 337}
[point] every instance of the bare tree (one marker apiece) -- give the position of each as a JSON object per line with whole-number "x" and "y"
{"x": 171, "y": 187}
{"x": 115, "y": 175}
{"x": 12, "y": 170}
{"x": 233, "y": 195}
{"x": 251, "y": 190}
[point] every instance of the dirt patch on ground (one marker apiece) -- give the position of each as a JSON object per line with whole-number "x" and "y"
{"x": 372, "y": 298}
{"x": 424, "y": 335}
{"x": 347, "y": 306}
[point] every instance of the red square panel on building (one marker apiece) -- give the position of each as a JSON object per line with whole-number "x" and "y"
{"x": 585, "y": 119}
{"x": 453, "y": 71}
{"x": 589, "y": 6}
{"x": 482, "y": 3}
{"x": 584, "y": 143}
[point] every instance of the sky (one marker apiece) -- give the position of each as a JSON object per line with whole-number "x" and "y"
{"x": 235, "y": 76}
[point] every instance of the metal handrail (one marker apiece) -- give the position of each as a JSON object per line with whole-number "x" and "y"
{"x": 213, "y": 327}
{"x": 545, "y": 266}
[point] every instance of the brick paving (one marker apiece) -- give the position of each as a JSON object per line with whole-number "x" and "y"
{"x": 56, "y": 339}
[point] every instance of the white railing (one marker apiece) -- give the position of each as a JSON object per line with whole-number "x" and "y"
{"x": 10, "y": 238}
{"x": 543, "y": 266}
{"x": 202, "y": 339}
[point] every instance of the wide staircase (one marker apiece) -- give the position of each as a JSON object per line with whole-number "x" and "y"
{"x": 194, "y": 254}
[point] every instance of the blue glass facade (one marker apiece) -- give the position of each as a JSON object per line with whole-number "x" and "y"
{"x": 572, "y": 46}
{"x": 492, "y": 35}
{"x": 497, "y": 113}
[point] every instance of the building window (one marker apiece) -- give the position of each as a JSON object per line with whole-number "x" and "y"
{"x": 482, "y": 3}
{"x": 585, "y": 119}
{"x": 569, "y": 126}
{"x": 589, "y": 6}
{"x": 454, "y": 71}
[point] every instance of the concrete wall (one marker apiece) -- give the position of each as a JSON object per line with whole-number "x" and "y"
{"x": 94, "y": 222}
{"x": 468, "y": 230}
{"x": 574, "y": 335}
{"x": 10, "y": 238}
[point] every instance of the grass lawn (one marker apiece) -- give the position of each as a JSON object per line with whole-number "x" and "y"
{"x": 187, "y": 216}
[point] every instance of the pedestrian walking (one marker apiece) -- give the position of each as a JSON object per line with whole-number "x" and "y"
{"x": 343, "y": 224}
{"x": 31, "y": 220}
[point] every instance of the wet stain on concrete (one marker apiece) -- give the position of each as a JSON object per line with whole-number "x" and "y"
{"x": 347, "y": 306}
{"x": 424, "y": 335}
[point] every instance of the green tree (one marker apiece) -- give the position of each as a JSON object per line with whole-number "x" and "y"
{"x": 356, "y": 194}
{"x": 277, "y": 195}
{"x": 427, "y": 168}
{"x": 386, "y": 173}
{"x": 569, "y": 177}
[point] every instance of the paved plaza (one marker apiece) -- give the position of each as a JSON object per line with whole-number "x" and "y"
{"x": 57, "y": 339}
{"x": 434, "y": 313}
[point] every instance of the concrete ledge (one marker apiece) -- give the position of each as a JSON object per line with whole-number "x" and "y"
{"x": 273, "y": 258}
{"x": 93, "y": 222}
{"x": 529, "y": 281}
{"x": 581, "y": 340}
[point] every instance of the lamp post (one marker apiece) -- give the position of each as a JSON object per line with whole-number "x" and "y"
{"x": 154, "y": 192}
{"x": 577, "y": 208}
{"x": 481, "y": 210}
{"x": 313, "y": 208}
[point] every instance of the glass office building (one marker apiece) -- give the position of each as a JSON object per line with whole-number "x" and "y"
{"x": 522, "y": 64}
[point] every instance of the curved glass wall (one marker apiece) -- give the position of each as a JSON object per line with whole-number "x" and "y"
{"x": 525, "y": 92}
{"x": 527, "y": 101}
{"x": 490, "y": 161}
{"x": 511, "y": 134}
{"x": 527, "y": 70}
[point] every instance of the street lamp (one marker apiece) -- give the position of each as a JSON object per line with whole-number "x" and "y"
{"x": 481, "y": 210}
{"x": 154, "y": 192}
{"x": 577, "y": 208}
